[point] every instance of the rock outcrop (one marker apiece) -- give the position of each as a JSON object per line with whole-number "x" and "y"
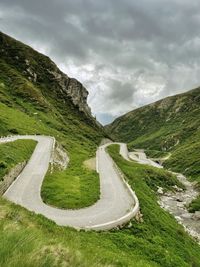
{"x": 73, "y": 88}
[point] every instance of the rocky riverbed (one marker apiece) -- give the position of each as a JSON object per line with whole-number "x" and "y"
{"x": 176, "y": 203}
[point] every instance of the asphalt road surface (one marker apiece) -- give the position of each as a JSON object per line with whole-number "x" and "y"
{"x": 117, "y": 204}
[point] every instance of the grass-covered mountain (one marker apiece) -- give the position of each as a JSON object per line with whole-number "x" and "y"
{"x": 37, "y": 98}
{"x": 169, "y": 125}
{"x": 34, "y": 78}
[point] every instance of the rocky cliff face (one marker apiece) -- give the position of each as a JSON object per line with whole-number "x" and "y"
{"x": 73, "y": 89}
{"x": 39, "y": 69}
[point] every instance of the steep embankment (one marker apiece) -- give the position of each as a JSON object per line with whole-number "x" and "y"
{"x": 169, "y": 125}
{"x": 37, "y": 98}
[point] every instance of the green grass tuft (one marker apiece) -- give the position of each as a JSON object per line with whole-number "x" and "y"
{"x": 13, "y": 153}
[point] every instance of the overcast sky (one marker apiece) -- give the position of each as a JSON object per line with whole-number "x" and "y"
{"x": 126, "y": 53}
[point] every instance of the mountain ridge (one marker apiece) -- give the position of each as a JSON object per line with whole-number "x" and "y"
{"x": 26, "y": 60}
{"x": 164, "y": 101}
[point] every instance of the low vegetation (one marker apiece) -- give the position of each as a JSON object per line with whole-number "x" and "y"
{"x": 76, "y": 187}
{"x": 13, "y": 153}
{"x": 195, "y": 205}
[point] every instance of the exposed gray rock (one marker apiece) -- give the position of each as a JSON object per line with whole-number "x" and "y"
{"x": 160, "y": 190}
{"x": 179, "y": 199}
{"x": 178, "y": 189}
{"x": 79, "y": 95}
{"x": 74, "y": 89}
{"x": 27, "y": 62}
{"x": 60, "y": 157}
{"x": 186, "y": 215}
{"x": 139, "y": 217}
{"x": 33, "y": 76}
{"x": 196, "y": 216}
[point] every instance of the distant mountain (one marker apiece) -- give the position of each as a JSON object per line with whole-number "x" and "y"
{"x": 171, "y": 124}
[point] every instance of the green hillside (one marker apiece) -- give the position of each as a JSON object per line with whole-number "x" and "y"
{"x": 169, "y": 125}
{"x": 36, "y": 98}
{"x": 42, "y": 105}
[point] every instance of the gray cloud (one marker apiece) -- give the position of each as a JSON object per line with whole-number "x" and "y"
{"x": 127, "y": 53}
{"x": 121, "y": 93}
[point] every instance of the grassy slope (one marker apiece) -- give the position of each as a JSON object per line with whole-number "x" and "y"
{"x": 78, "y": 186}
{"x": 14, "y": 153}
{"x": 159, "y": 227}
{"x": 170, "y": 125}
{"x": 64, "y": 187}
{"x": 14, "y": 120}
{"x": 195, "y": 205}
{"x": 28, "y": 107}
{"x": 30, "y": 240}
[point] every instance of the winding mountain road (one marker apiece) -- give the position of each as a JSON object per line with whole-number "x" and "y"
{"x": 140, "y": 156}
{"x": 117, "y": 204}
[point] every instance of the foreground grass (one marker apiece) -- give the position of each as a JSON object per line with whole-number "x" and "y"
{"x": 28, "y": 239}
{"x": 76, "y": 187}
{"x": 31, "y": 240}
{"x": 13, "y": 153}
